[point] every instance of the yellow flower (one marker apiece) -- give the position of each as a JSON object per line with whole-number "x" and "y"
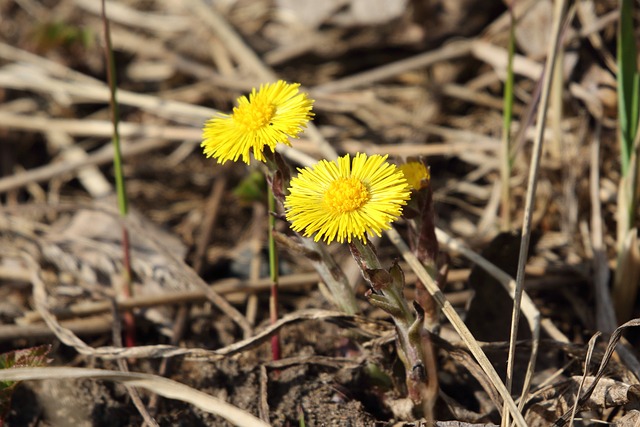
{"x": 417, "y": 175}
{"x": 268, "y": 116}
{"x": 341, "y": 200}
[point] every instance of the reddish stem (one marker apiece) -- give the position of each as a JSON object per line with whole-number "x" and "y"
{"x": 128, "y": 318}
{"x": 273, "y": 311}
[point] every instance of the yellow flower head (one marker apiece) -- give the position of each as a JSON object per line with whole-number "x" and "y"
{"x": 341, "y": 200}
{"x": 268, "y": 116}
{"x": 417, "y": 175}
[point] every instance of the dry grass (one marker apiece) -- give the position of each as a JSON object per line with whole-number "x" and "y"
{"x": 404, "y": 78}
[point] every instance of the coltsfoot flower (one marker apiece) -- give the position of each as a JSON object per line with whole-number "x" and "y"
{"x": 417, "y": 175}
{"x": 341, "y": 200}
{"x": 271, "y": 115}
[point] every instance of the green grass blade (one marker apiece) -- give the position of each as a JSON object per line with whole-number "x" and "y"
{"x": 628, "y": 84}
{"x": 115, "y": 118}
{"x": 507, "y": 117}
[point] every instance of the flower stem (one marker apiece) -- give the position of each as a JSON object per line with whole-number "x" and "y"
{"x": 413, "y": 346}
{"x": 332, "y": 275}
{"x": 368, "y": 261}
{"x": 273, "y": 270}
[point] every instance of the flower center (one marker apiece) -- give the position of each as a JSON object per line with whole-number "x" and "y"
{"x": 346, "y": 195}
{"x": 255, "y": 115}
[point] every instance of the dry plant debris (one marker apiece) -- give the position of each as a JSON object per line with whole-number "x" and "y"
{"x": 409, "y": 79}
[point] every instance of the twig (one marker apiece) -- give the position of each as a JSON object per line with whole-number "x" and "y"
{"x": 91, "y": 178}
{"x": 450, "y": 51}
{"x": 86, "y": 326}
{"x": 263, "y": 405}
{"x": 223, "y": 287}
{"x": 123, "y": 14}
{"x": 28, "y": 78}
{"x": 100, "y": 128}
{"x": 12, "y": 53}
{"x": 51, "y": 170}
{"x": 211, "y": 214}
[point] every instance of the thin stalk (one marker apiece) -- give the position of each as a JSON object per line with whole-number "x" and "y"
{"x": 273, "y": 271}
{"x": 506, "y": 164}
{"x": 123, "y": 206}
{"x": 560, "y": 7}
